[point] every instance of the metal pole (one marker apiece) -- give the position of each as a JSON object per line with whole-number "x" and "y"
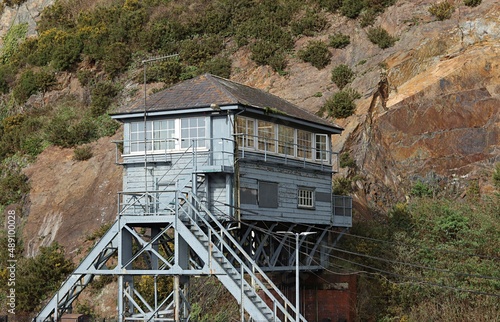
{"x": 297, "y": 289}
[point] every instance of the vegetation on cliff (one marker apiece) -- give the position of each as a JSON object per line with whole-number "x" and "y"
{"x": 429, "y": 259}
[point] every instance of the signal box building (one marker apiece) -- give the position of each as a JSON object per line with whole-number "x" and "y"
{"x": 218, "y": 179}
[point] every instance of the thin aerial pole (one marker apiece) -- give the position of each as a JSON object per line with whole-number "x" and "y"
{"x": 144, "y": 64}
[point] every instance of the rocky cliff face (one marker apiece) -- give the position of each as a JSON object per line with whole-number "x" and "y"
{"x": 440, "y": 121}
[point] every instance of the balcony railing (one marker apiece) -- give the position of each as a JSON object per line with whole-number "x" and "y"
{"x": 220, "y": 152}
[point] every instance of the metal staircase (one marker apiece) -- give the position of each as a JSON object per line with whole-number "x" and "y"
{"x": 195, "y": 226}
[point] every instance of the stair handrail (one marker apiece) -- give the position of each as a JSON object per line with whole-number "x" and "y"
{"x": 236, "y": 257}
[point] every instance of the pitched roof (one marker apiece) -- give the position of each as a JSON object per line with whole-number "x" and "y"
{"x": 207, "y": 89}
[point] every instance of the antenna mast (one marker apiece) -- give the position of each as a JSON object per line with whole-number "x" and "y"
{"x": 144, "y": 64}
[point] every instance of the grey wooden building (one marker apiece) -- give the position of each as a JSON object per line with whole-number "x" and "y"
{"x": 214, "y": 171}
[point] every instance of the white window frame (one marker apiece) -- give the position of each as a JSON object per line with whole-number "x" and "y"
{"x": 186, "y": 134}
{"x": 161, "y": 140}
{"x": 306, "y": 197}
{"x": 321, "y": 153}
{"x": 248, "y": 136}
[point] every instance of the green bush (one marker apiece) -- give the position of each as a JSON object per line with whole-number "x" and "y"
{"x": 117, "y": 59}
{"x": 13, "y": 183}
{"x": 262, "y": 51}
{"x": 31, "y": 82}
{"x": 199, "y": 50}
{"x": 346, "y": 161}
{"x": 103, "y": 94}
{"x": 341, "y": 104}
{"x": 339, "y": 40}
{"x": 66, "y": 51}
{"x": 7, "y": 77}
{"x": 352, "y": 8}
{"x": 310, "y": 24}
{"x": 442, "y": 10}
{"x": 342, "y": 75}
{"x": 342, "y": 186}
{"x": 11, "y": 41}
{"x": 83, "y": 153}
{"x": 421, "y": 189}
{"x": 472, "y": 3}
{"x": 40, "y": 276}
{"x": 381, "y": 37}
{"x": 220, "y": 66}
{"x": 316, "y": 53}
{"x": 367, "y": 17}
{"x": 21, "y": 133}
{"x": 168, "y": 72}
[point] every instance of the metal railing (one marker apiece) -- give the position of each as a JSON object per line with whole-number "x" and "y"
{"x": 287, "y": 152}
{"x": 220, "y": 151}
{"x": 196, "y": 212}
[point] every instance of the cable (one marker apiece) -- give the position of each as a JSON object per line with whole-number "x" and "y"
{"x": 411, "y": 279}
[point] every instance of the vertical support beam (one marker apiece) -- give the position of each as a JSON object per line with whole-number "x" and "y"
{"x": 120, "y": 298}
{"x": 126, "y": 256}
{"x": 177, "y": 299}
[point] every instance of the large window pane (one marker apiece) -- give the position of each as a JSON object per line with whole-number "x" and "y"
{"x": 266, "y": 136}
{"x": 322, "y": 147}
{"x": 304, "y": 144}
{"x": 245, "y": 132}
{"x": 193, "y": 129}
{"x": 286, "y": 140}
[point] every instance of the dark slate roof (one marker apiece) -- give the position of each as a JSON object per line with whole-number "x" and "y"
{"x": 207, "y": 89}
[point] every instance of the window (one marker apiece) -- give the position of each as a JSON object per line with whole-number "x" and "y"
{"x": 246, "y": 132}
{"x": 193, "y": 129}
{"x": 304, "y": 144}
{"x": 305, "y": 197}
{"x": 162, "y": 135}
{"x": 266, "y": 136}
{"x": 286, "y": 140}
{"x": 268, "y": 194}
{"x": 159, "y": 135}
{"x": 321, "y": 147}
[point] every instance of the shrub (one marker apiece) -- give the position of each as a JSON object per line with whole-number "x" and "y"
{"x": 342, "y": 75}
{"x": 102, "y": 94}
{"x": 66, "y": 51}
{"x": 30, "y": 83}
{"x": 472, "y": 3}
{"x": 339, "y": 40}
{"x": 351, "y": 8}
{"x": 330, "y": 5}
{"x": 13, "y": 184}
{"x": 7, "y": 77}
{"x": 263, "y": 50}
{"x": 341, "y": 104}
{"x": 421, "y": 189}
{"x": 198, "y": 50}
{"x": 82, "y": 153}
{"x": 442, "y": 10}
{"x": 367, "y": 17}
{"x": 117, "y": 58}
{"x": 381, "y": 37}
{"x": 11, "y": 41}
{"x": 309, "y": 24}
{"x": 220, "y": 66}
{"x": 342, "y": 186}
{"x": 40, "y": 275}
{"x": 316, "y": 53}
{"x": 168, "y": 72}
{"x": 346, "y": 161}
